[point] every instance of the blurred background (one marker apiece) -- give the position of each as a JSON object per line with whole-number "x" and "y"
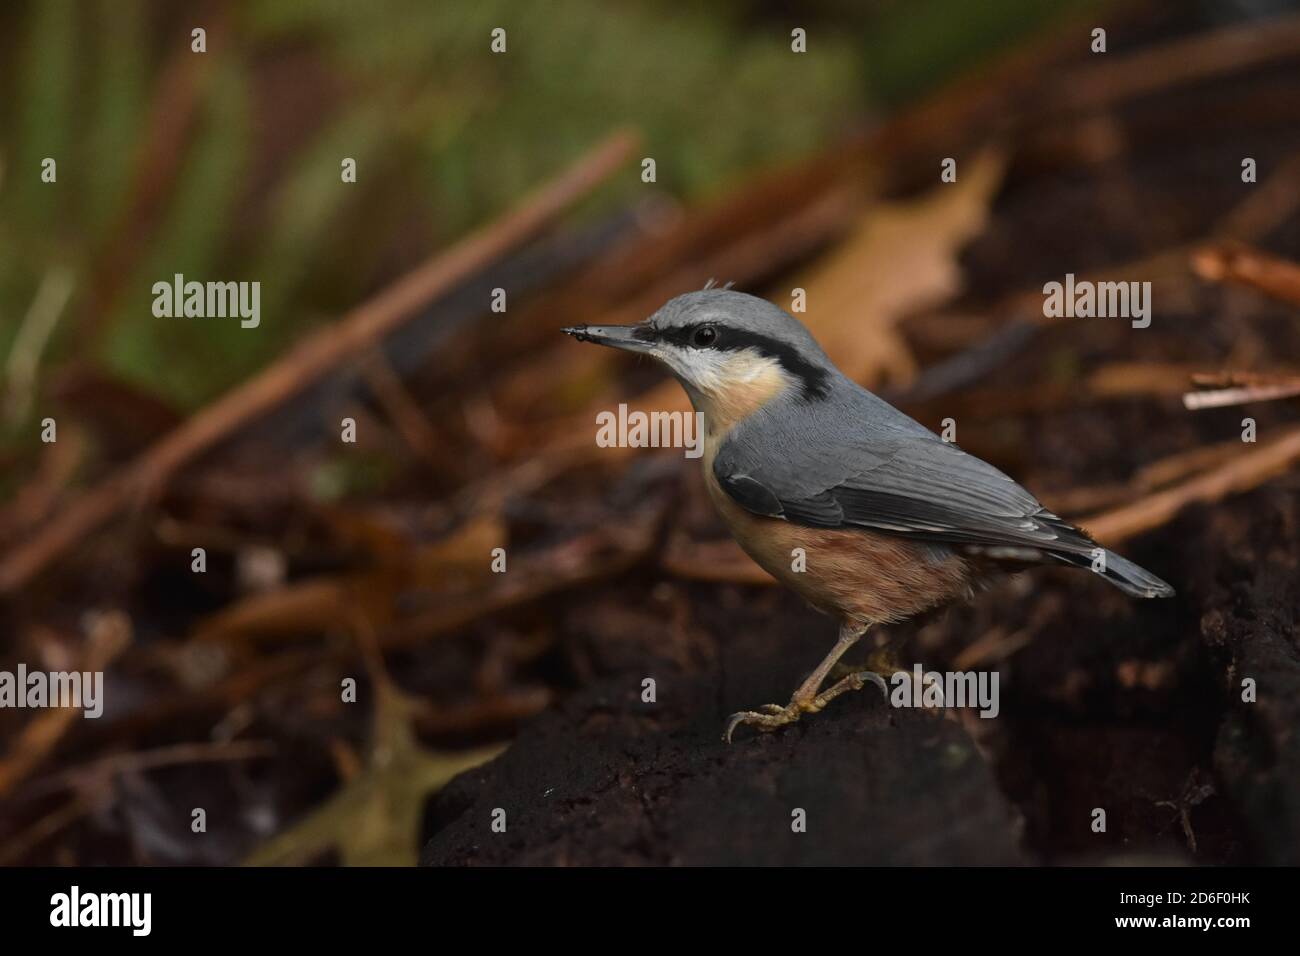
{"x": 327, "y": 561}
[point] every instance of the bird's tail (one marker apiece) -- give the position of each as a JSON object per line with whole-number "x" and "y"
{"x": 1119, "y": 571}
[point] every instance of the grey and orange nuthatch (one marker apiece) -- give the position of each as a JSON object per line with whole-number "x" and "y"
{"x": 893, "y": 520}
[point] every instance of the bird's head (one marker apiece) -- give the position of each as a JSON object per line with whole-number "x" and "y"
{"x": 732, "y": 352}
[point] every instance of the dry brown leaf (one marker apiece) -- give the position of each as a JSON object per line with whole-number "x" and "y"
{"x": 901, "y": 259}
{"x": 374, "y": 819}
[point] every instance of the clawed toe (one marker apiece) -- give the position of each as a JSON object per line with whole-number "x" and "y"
{"x": 862, "y": 678}
{"x": 769, "y": 717}
{"x": 806, "y": 699}
{"x": 775, "y": 717}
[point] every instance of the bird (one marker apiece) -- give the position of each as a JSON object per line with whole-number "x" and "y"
{"x": 892, "y": 519}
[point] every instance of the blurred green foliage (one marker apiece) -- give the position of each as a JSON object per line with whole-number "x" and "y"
{"x": 916, "y": 44}
{"x": 712, "y": 96}
{"x": 445, "y": 135}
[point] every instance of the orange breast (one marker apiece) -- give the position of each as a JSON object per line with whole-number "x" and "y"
{"x": 858, "y": 576}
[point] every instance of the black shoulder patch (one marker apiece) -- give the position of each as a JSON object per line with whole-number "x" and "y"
{"x": 750, "y": 495}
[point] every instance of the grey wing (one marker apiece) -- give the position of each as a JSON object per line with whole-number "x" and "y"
{"x": 902, "y": 484}
{"x": 856, "y": 461}
{"x": 862, "y": 463}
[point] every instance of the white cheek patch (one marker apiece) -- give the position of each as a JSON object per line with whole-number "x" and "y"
{"x": 715, "y": 372}
{"x": 749, "y": 366}
{"x": 699, "y": 367}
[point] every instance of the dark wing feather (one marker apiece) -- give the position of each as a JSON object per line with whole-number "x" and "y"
{"x": 923, "y": 488}
{"x": 860, "y": 463}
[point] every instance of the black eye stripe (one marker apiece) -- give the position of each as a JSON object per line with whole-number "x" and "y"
{"x": 813, "y": 379}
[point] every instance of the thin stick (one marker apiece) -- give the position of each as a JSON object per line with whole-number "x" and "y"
{"x": 172, "y": 755}
{"x": 1248, "y": 470}
{"x": 1181, "y": 61}
{"x": 1245, "y": 265}
{"x": 1239, "y": 395}
{"x": 402, "y": 408}
{"x": 1267, "y": 206}
{"x": 313, "y": 358}
{"x": 33, "y": 335}
{"x": 17, "y": 847}
{"x": 73, "y": 778}
{"x": 108, "y": 636}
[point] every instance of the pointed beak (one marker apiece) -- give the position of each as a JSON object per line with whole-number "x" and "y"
{"x": 615, "y": 336}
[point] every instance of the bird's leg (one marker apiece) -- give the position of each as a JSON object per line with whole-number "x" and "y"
{"x": 883, "y": 660}
{"x": 855, "y": 681}
{"x": 807, "y": 699}
{"x": 884, "y": 665}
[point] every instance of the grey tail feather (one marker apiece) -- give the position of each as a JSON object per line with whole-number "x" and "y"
{"x": 1123, "y": 573}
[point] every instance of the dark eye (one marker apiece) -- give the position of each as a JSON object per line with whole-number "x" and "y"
{"x": 704, "y": 336}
